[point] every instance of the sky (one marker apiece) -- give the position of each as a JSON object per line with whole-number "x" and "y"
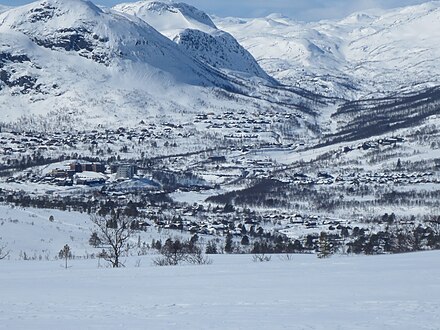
{"x": 302, "y": 10}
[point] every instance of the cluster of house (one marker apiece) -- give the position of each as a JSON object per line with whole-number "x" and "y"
{"x": 365, "y": 178}
{"x": 216, "y": 222}
{"x": 242, "y": 124}
{"x": 375, "y": 144}
{"x": 14, "y": 143}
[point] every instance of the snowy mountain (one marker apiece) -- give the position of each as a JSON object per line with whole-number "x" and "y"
{"x": 161, "y": 61}
{"x": 194, "y": 31}
{"x": 153, "y": 121}
{"x": 72, "y": 59}
{"x": 78, "y": 27}
{"x": 370, "y": 53}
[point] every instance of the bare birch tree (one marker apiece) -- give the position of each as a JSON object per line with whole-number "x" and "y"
{"x": 114, "y": 232}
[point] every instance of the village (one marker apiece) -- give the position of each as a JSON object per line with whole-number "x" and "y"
{"x": 155, "y": 140}
{"x": 223, "y": 174}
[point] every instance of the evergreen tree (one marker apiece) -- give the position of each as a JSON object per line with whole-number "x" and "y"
{"x": 94, "y": 240}
{"x": 211, "y": 248}
{"x": 65, "y": 254}
{"x": 229, "y": 244}
{"x": 325, "y": 246}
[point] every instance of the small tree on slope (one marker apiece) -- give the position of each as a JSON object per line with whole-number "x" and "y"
{"x": 94, "y": 240}
{"x": 229, "y": 244}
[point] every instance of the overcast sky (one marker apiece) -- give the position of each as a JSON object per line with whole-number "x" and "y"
{"x": 305, "y": 10}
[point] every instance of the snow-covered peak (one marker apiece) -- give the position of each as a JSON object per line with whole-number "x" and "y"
{"x": 169, "y": 17}
{"x": 80, "y": 28}
{"x": 44, "y": 16}
{"x": 359, "y": 18}
{"x": 196, "y": 34}
{"x": 45, "y": 10}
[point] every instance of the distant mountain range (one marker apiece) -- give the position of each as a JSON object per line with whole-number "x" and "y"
{"x": 3, "y": 8}
{"x": 366, "y": 54}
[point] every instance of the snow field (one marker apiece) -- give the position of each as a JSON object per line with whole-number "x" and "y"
{"x": 381, "y": 292}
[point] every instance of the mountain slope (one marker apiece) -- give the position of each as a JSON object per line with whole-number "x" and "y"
{"x": 373, "y": 53}
{"x": 64, "y": 54}
{"x": 70, "y": 62}
{"x": 195, "y": 32}
{"x": 78, "y": 27}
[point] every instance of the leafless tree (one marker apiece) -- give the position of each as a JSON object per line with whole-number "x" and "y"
{"x": 198, "y": 258}
{"x": 261, "y": 258}
{"x": 175, "y": 252}
{"x": 3, "y": 253}
{"x": 172, "y": 253}
{"x": 114, "y": 232}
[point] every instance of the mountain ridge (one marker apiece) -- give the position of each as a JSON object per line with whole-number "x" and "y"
{"x": 367, "y": 54}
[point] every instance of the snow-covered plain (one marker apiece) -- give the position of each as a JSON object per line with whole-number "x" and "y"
{"x": 382, "y": 292}
{"x": 342, "y": 292}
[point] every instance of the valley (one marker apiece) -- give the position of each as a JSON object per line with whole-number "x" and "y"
{"x": 265, "y": 130}
{"x": 162, "y": 167}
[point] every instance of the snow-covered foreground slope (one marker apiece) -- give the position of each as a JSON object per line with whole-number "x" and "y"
{"x": 386, "y": 292}
{"x": 372, "y": 52}
{"x": 29, "y": 232}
